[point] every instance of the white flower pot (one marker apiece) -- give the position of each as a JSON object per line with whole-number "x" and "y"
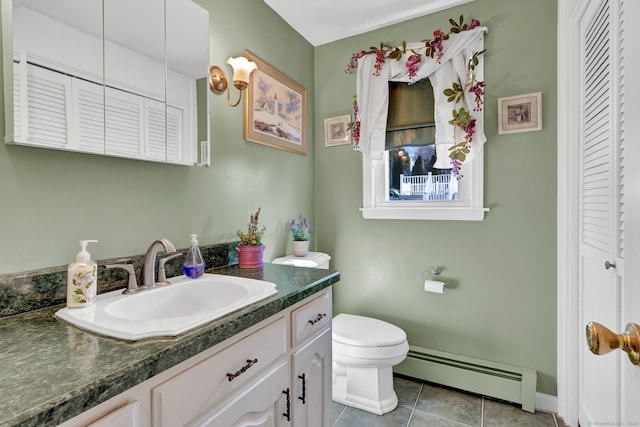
{"x": 300, "y": 247}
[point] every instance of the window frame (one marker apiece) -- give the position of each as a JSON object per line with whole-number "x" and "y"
{"x": 468, "y": 207}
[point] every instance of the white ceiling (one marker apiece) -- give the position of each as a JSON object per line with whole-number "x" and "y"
{"x": 324, "y": 21}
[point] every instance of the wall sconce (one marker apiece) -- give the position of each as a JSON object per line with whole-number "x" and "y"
{"x": 242, "y": 68}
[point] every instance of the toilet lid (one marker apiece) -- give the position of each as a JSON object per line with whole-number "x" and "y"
{"x": 365, "y": 331}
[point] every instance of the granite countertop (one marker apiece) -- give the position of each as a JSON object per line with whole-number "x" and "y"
{"x": 51, "y": 371}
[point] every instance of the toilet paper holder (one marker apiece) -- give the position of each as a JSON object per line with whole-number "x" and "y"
{"x": 431, "y": 285}
{"x": 434, "y": 271}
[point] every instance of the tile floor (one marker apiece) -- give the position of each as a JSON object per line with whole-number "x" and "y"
{"x": 423, "y": 404}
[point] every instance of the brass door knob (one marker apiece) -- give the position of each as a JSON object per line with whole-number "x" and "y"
{"x": 601, "y": 340}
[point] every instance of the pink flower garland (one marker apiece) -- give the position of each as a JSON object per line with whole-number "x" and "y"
{"x": 462, "y": 118}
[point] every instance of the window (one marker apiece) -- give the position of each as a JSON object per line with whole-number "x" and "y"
{"x": 406, "y": 175}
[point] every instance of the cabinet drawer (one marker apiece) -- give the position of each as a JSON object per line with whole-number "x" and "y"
{"x": 262, "y": 403}
{"x": 311, "y": 318}
{"x": 180, "y": 400}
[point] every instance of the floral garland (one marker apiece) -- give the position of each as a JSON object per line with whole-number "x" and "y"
{"x": 432, "y": 48}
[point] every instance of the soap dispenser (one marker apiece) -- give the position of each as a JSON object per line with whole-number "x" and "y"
{"x": 193, "y": 262}
{"x": 82, "y": 278}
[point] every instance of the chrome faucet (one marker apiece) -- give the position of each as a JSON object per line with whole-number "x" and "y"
{"x": 148, "y": 272}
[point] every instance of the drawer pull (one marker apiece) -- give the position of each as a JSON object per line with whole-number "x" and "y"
{"x": 288, "y": 413}
{"x": 318, "y": 318}
{"x": 242, "y": 370}
{"x": 304, "y": 389}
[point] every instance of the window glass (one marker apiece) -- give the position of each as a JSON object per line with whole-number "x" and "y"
{"x": 410, "y": 146}
{"x": 413, "y": 177}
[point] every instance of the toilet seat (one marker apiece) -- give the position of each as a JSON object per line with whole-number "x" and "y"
{"x": 360, "y": 331}
{"x": 370, "y": 353}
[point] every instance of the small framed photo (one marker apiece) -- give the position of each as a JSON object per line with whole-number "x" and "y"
{"x": 336, "y": 131}
{"x": 521, "y": 113}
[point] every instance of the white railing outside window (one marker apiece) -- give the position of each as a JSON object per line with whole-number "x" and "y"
{"x": 429, "y": 187}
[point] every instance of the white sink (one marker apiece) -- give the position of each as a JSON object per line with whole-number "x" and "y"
{"x": 170, "y": 310}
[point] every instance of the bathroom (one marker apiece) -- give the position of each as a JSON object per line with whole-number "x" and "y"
{"x": 501, "y": 304}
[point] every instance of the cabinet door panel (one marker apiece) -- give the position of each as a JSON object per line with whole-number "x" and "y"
{"x": 311, "y": 379}
{"x": 88, "y": 100}
{"x": 48, "y": 107}
{"x": 124, "y": 123}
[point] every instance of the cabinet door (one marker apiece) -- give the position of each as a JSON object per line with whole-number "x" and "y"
{"x": 124, "y": 124}
{"x": 176, "y": 152}
{"x": 47, "y": 109}
{"x": 311, "y": 378}
{"x": 263, "y": 404}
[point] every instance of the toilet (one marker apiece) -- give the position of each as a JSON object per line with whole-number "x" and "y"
{"x": 364, "y": 353}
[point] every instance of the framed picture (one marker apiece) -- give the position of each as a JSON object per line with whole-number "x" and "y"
{"x": 275, "y": 111}
{"x": 336, "y": 131}
{"x": 522, "y": 113}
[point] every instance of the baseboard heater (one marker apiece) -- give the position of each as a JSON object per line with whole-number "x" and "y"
{"x": 506, "y": 382}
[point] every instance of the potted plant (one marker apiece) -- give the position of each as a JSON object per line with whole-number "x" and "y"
{"x": 301, "y": 232}
{"x": 251, "y": 250}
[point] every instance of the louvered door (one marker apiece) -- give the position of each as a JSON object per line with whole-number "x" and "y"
{"x": 44, "y": 115}
{"x": 156, "y": 124}
{"x": 88, "y": 102}
{"x": 124, "y": 124}
{"x": 175, "y": 137}
{"x": 601, "y": 214}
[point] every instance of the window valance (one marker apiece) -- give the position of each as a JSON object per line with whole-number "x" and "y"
{"x": 456, "y": 85}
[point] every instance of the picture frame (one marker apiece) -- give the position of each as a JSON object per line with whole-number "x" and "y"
{"x": 336, "y": 131}
{"x": 275, "y": 109}
{"x": 521, "y": 113}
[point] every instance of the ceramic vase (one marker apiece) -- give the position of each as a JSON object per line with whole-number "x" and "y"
{"x": 300, "y": 247}
{"x": 250, "y": 256}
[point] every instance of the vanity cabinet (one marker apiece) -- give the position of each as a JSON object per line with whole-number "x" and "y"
{"x": 275, "y": 373}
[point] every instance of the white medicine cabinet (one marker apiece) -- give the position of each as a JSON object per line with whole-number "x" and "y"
{"x": 122, "y": 78}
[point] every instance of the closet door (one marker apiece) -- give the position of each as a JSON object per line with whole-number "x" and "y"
{"x": 601, "y": 197}
{"x": 630, "y": 69}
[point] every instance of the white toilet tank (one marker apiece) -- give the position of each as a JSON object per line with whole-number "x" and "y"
{"x": 312, "y": 259}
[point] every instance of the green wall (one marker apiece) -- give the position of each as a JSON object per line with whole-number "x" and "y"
{"x": 51, "y": 199}
{"x": 501, "y": 304}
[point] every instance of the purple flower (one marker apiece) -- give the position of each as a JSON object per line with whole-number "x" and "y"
{"x": 478, "y": 91}
{"x": 474, "y": 23}
{"x": 412, "y": 64}
{"x": 300, "y": 230}
{"x": 380, "y": 60}
{"x": 353, "y": 63}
